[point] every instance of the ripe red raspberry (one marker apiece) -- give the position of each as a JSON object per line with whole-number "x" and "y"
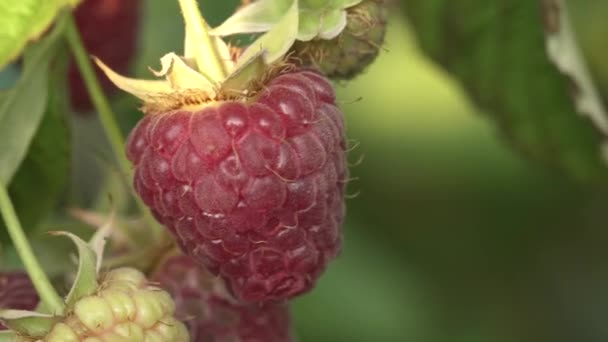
{"x": 252, "y": 190}
{"x": 109, "y": 31}
{"x": 16, "y": 292}
{"x": 211, "y": 314}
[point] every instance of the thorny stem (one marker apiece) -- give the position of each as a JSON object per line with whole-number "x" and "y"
{"x": 104, "y": 111}
{"x": 41, "y": 282}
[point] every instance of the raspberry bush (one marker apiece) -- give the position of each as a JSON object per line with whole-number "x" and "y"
{"x": 248, "y": 170}
{"x": 340, "y": 38}
{"x": 227, "y": 173}
{"x": 239, "y": 160}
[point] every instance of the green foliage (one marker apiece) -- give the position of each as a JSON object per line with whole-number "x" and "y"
{"x": 41, "y": 177}
{"x": 497, "y": 50}
{"x": 24, "y": 21}
{"x": 591, "y": 32}
{"x": 54, "y": 254}
{"x": 37, "y": 166}
{"x": 23, "y": 106}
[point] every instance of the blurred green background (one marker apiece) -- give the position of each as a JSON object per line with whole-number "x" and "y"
{"x": 451, "y": 235}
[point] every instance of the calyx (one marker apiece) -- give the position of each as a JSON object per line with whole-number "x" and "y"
{"x": 209, "y": 69}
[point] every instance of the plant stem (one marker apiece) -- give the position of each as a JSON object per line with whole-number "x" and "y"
{"x": 95, "y": 91}
{"x": 106, "y": 116}
{"x": 41, "y": 282}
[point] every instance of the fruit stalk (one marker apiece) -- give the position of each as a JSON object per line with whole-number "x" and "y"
{"x": 106, "y": 116}
{"x": 94, "y": 88}
{"x": 41, "y": 282}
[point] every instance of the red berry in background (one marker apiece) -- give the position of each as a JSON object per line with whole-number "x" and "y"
{"x": 109, "y": 31}
{"x": 211, "y": 314}
{"x": 16, "y": 292}
{"x": 253, "y": 190}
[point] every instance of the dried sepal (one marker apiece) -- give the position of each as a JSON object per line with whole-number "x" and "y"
{"x": 191, "y": 82}
{"x": 90, "y": 256}
{"x": 86, "y": 276}
{"x": 145, "y": 90}
{"x": 199, "y": 45}
{"x": 182, "y": 76}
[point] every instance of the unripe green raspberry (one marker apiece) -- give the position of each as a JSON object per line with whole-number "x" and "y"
{"x": 62, "y": 332}
{"x": 124, "y": 308}
{"x": 347, "y": 55}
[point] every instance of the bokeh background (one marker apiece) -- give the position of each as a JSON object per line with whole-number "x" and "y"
{"x": 451, "y": 234}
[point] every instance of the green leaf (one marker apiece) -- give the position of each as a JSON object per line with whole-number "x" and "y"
{"x": 43, "y": 173}
{"x": 497, "y": 49}
{"x": 22, "y": 107}
{"x": 29, "y": 323}
{"x": 564, "y": 52}
{"x": 24, "y": 21}
{"x": 591, "y": 31}
{"x": 54, "y": 255}
{"x": 9, "y": 76}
